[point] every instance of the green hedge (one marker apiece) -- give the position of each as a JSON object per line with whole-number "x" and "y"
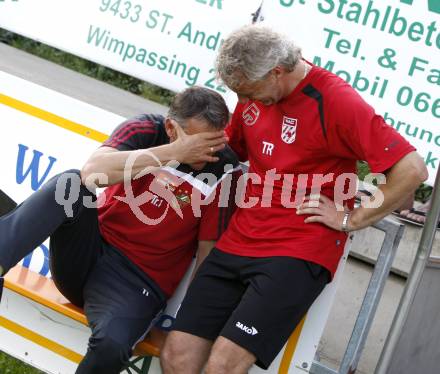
{"x": 423, "y": 193}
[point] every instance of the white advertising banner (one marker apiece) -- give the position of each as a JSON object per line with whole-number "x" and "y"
{"x": 388, "y": 50}
{"x": 38, "y": 144}
{"x": 171, "y": 43}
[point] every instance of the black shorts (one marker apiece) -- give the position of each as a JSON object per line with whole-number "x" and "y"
{"x": 255, "y": 302}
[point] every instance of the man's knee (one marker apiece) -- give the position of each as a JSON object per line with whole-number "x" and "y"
{"x": 70, "y": 172}
{"x": 105, "y": 355}
{"x": 217, "y": 364}
{"x": 184, "y": 353}
{"x": 173, "y": 356}
{"x": 71, "y": 193}
{"x": 228, "y": 357}
{"x": 67, "y": 178}
{"x": 71, "y": 175}
{"x": 67, "y": 183}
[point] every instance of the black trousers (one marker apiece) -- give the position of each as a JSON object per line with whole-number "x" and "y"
{"x": 119, "y": 300}
{"x": 255, "y": 302}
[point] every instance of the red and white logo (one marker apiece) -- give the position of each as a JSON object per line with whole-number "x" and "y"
{"x": 288, "y": 132}
{"x": 251, "y": 114}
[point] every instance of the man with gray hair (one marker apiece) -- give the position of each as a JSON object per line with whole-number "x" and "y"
{"x": 119, "y": 261}
{"x": 273, "y": 261}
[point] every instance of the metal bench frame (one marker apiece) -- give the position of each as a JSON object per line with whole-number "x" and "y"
{"x": 139, "y": 365}
{"x": 393, "y": 234}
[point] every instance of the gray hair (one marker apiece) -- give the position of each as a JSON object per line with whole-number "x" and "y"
{"x": 251, "y": 52}
{"x": 200, "y": 103}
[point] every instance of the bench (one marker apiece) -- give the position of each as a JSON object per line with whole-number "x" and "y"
{"x": 26, "y": 284}
{"x": 22, "y": 284}
{"x": 42, "y": 290}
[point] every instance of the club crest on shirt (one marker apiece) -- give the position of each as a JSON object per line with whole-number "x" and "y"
{"x": 251, "y": 114}
{"x": 183, "y": 197}
{"x": 288, "y": 131}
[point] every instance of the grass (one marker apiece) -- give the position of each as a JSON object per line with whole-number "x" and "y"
{"x": 10, "y": 365}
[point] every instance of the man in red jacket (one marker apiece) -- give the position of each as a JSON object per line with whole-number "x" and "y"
{"x": 122, "y": 258}
{"x": 298, "y": 125}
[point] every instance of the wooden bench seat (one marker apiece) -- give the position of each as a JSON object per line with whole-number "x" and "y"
{"x": 43, "y": 291}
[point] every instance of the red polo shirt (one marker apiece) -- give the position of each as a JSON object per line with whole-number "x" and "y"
{"x": 323, "y": 127}
{"x": 160, "y": 234}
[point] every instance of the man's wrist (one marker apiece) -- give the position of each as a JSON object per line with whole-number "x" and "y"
{"x": 171, "y": 153}
{"x": 345, "y": 219}
{"x": 354, "y": 219}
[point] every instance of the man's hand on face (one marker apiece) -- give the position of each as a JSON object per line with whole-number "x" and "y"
{"x": 197, "y": 148}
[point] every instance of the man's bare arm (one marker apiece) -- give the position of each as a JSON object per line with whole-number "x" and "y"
{"x": 113, "y": 163}
{"x": 403, "y": 178}
{"x": 186, "y": 149}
